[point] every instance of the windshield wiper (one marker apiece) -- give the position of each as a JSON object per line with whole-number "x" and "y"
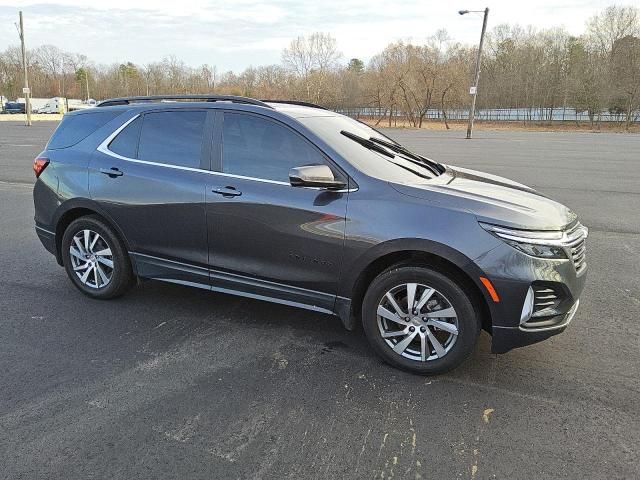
{"x": 435, "y": 168}
{"x": 389, "y": 139}
{"x": 415, "y": 172}
{"x": 371, "y": 145}
{"x": 368, "y": 144}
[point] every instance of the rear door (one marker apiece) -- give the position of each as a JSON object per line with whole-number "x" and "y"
{"x": 267, "y": 238}
{"x": 150, "y": 178}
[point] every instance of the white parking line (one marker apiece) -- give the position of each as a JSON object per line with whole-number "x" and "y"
{"x": 4, "y": 183}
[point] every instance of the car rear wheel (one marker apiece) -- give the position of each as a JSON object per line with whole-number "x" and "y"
{"x": 95, "y": 258}
{"x": 420, "y": 320}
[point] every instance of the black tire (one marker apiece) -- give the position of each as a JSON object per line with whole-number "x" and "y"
{"x": 468, "y": 318}
{"x": 121, "y": 273}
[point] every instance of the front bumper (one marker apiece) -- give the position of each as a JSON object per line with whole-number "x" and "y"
{"x": 512, "y": 273}
{"x": 508, "y": 338}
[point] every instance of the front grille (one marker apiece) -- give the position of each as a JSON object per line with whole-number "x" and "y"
{"x": 576, "y": 239}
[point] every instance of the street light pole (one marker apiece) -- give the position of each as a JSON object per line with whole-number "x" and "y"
{"x": 474, "y": 88}
{"x": 27, "y": 92}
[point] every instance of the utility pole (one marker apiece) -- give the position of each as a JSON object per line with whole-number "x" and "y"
{"x": 25, "y": 90}
{"x": 474, "y": 89}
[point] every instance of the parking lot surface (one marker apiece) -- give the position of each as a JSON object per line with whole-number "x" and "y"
{"x": 172, "y": 382}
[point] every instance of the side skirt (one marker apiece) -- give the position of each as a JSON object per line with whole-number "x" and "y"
{"x": 170, "y": 271}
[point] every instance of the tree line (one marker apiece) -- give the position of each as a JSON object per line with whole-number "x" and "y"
{"x": 522, "y": 68}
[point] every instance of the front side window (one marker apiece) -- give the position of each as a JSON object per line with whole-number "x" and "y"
{"x": 174, "y": 138}
{"x": 257, "y": 147}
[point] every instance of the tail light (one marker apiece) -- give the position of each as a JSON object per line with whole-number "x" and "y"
{"x": 39, "y": 164}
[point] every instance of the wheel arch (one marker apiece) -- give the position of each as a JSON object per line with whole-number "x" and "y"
{"x": 74, "y": 209}
{"x": 414, "y": 252}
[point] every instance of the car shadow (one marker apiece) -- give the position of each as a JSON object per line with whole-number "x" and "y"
{"x": 163, "y": 316}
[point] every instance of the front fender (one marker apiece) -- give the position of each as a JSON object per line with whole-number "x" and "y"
{"x": 350, "y": 283}
{"x": 354, "y": 270}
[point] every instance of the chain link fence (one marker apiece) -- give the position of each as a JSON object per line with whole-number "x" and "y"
{"x": 504, "y": 115}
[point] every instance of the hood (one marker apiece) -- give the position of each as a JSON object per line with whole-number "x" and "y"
{"x": 492, "y": 199}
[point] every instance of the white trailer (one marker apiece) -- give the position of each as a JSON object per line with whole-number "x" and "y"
{"x": 80, "y": 104}
{"x": 36, "y": 103}
{"x": 53, "y": 105}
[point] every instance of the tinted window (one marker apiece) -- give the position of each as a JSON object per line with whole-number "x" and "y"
{"x": 174, "y": 138}
{"x": 261, "y": 148}
{"x": 75, "y": 128}
{"x": 374, "y": 164}
{"x": 126, "y": 142}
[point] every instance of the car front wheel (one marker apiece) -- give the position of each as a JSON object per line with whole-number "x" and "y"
{"x": 420, "y": 320}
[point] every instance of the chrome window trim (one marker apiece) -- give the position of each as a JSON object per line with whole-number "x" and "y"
{"x": 104, "y": 148}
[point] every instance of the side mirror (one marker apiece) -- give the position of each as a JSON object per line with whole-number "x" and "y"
{"x": 314, "y": 176}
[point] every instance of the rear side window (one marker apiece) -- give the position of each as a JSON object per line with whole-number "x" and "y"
{"x": 75, "y": 128}
{"x": 173, "y": 138}
{"x": 126, "y": 143}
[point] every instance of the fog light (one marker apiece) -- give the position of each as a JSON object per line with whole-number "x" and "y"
{"x": 527, "y": 308}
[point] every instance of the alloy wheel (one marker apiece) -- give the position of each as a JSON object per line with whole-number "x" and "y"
{"x": 417, "y": 322}
{"x": 91, "y": 259}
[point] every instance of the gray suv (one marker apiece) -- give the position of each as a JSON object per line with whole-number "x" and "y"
{"x": 291, "y": 203}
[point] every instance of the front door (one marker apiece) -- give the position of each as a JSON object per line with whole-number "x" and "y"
{"x": 267, "y": 238}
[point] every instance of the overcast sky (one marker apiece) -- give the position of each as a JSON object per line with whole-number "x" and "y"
{"x": 237, "y": 33}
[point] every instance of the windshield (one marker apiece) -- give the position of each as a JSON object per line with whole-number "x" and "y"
{"x": 385, "y": 159}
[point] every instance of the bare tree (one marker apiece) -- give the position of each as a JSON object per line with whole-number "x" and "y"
{"x": 50, "y": 59}
{"x": 614, "y": 23}
{"x": 312, "y": 58}
{"x": 625, "y": 71}
{"x": 525, "y": 70}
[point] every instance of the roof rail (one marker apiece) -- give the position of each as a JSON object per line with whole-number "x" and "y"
{"x": 296, "y": 102}
{"x": 204, "y": 98}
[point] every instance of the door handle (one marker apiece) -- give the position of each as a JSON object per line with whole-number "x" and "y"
{"x": 227, "y": 191}
{"x": 112, "y": 172}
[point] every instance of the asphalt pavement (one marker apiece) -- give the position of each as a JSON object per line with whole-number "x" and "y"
{"x": 173, "y": 382}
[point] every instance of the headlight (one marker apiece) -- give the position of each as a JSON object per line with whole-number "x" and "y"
{"x": 537, "y": 243}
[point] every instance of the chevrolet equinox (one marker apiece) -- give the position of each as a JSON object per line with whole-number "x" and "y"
{"x": 291, "y": 203}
